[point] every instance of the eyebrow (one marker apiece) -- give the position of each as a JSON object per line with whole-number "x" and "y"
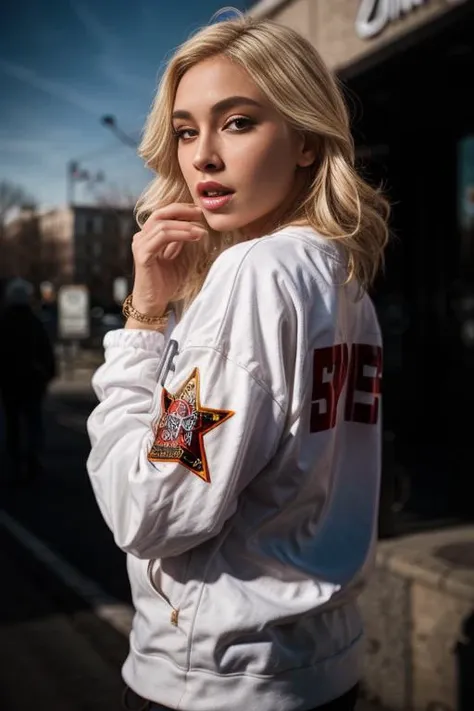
{"x": 229, "y": 103}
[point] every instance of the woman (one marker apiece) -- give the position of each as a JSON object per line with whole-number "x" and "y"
{"x": 235, "y": 454}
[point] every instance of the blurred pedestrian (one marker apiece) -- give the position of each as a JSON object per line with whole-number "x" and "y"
{"x": 27, "y": 365}
{"x": 236, "y": 454}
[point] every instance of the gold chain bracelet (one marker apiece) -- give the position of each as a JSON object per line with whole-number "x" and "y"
{"x": 129, "y": 311}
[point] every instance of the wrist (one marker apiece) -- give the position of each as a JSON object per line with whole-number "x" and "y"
{"x": 149, "y": 319}
{"x": 151, "y": 310}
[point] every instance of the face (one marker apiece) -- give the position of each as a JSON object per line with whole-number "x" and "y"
{"x": 240, "y": 159}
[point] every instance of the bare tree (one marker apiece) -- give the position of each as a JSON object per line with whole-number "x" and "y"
{"x": 27, "y": 250}
{"x": 114, "y": 196}
{"x": 12, "y": 197}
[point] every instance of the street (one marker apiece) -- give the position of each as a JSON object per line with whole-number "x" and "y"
{"x": 65, "y": 600}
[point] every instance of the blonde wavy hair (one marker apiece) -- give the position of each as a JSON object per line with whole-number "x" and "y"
{"x": 336, "y": 202}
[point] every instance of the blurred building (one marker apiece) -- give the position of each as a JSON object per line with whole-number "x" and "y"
{"x": 80, "y": 244}
{"x": 407, "y": 66}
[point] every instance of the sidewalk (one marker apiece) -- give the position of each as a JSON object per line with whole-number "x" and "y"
{"x": 77, "y": 380}
{"x": 57, "y": 655}
{"x": 77, "y": 369}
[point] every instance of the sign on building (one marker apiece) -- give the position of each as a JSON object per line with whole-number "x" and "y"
{"x": 73, "y": 312}
{"x": 373, "y": 16}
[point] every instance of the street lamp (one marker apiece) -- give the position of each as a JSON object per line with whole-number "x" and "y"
{"x": 111, "y": 122}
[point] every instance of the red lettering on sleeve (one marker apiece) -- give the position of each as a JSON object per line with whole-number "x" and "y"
{"x": 365, "y": 373}
{"x": 329, "y": 373}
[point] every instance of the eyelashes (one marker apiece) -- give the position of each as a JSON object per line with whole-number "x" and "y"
{"x": 247, "y": 123}
{"x": 237, "y": 124}
{"x": 179, "y": 133}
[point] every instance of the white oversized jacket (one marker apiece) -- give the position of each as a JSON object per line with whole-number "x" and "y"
{"x": 237, "y": 463}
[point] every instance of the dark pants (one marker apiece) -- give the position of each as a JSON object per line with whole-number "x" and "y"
{"x": 24, "y": 435}
{"x": 347, "y": 702}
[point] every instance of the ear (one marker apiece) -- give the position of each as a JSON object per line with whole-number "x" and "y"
{"x": 306, "y": 152}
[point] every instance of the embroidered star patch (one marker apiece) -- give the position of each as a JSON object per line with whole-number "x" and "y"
{"x": 181, "y": 428}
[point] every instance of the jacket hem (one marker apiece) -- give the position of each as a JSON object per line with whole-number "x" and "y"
{"x": 160, "y": 681}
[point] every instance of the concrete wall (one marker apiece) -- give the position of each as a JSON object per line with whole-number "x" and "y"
{"x": 415, "y": 608}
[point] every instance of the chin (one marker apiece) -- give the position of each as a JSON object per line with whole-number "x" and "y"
{"x": 223, "y": 223}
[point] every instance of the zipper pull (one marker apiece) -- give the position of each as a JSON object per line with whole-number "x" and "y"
{"x": 174, "y": 617}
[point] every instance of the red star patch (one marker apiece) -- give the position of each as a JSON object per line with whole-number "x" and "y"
{"x": 182, "y": 425}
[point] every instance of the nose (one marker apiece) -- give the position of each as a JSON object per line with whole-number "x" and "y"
{"x": 207, "y": 158}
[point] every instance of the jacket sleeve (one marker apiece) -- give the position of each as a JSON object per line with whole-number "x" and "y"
{"x": 168, "y": 463}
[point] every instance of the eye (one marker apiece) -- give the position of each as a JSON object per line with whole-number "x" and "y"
{"x": 184, "y": 134}
{"x": 239, "y": 124}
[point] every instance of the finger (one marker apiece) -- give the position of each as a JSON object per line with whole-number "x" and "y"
{"x": 160, "y": 237}
{"x": 151, "y": 248}
{"x": 172, "y": 250}
{"x": 175, "y": 211}
{"x": 168, "y": 226}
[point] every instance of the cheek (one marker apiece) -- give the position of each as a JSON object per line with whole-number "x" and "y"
{"x": 185, "y": 164}
{"x": 273, "y": 161}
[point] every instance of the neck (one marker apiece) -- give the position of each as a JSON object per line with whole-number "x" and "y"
{"x": 284, "y": 215}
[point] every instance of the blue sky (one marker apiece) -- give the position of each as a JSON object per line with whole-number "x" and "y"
{"x": 66, "y": 63}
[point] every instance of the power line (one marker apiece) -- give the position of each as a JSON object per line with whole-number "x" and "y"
{"x": 110, "y": 148}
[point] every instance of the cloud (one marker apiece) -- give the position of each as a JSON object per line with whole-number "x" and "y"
{"x": 27, "y": 146}
{"x": 49, "y": 86}
{"x": 110, "y": 48}
{"x": 50, "y": 150}
{"x": 96, "y": 30}
{"x": 124, "y": 77}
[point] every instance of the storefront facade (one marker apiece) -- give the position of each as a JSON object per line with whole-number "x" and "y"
{"x": 408, "y": 66}
{"x": 346, "y": 31}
